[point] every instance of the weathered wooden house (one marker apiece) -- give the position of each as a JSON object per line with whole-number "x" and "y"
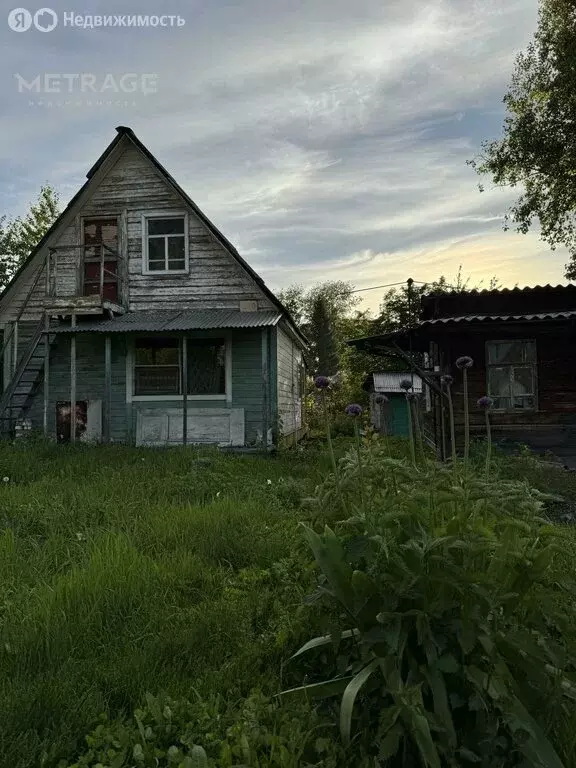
{"x": 523, "y": 343}
{"x": 135, "y": 309}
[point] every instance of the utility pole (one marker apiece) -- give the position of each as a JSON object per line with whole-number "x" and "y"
{"x": 410, "y": 283}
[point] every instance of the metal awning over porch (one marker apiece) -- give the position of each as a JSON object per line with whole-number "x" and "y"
{"x": 169, "y": 321}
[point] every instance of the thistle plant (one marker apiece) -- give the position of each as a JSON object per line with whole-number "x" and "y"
{"x": 463, "y": 363}
{"x": 409, "y": 399}
{"x": 418, "y": 425}
{"x": 355, "y": 411}
{"x": 447, "y": 382}
{"x": 485, "y": 403}
{"x": 381, "y": 401}
{"x": 322, "y": 383}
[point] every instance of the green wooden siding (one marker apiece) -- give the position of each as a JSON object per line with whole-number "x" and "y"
{"x": 89, "y": 380}
{"x": 246, "y": 381}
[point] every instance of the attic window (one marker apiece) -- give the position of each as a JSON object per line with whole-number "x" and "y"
{"x": 165, "y": 244}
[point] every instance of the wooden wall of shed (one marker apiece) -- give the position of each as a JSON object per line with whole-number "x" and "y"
{"x": 288, "y": 356}
{"x": 246, "y": 382}
{"x": 556, "y": 377}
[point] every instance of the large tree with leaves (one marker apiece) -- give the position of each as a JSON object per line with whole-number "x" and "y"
{"x": 19, "y": 236}
{"x": 537, "y": 151}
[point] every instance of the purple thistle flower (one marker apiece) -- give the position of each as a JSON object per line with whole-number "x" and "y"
{"x": 485, "y": 402}
{"x": 381, "y": 399}
{"x": 321, "y": 382}
{"x": 353, "y": 410}
{"x": 447, "y": 380}
{"x": 406, "y": 384}
{"x": 464, "y": 362}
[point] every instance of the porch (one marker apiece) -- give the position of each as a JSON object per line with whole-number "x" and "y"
{"x": 159, "y": 378}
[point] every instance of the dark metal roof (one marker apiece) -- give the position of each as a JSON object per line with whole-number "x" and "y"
{"x": 497, "y": 291}
{"x": 498, "y": 318}
{"x": 419, "y": 340}
{"x": 177, "y": 320}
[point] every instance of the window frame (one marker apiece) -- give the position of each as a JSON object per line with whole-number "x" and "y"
{"x": 167, "y": 214}
{"x": 226, "y": 396}
{"x": 533, "y": 365}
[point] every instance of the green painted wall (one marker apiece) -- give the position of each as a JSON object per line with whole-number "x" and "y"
{"x": 246, "y": 381}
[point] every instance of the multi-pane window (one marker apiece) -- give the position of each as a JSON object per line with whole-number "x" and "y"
{"x": 165, "y": 244}
{"x": 512, "y": 374}
{"x": 158, "y": 367}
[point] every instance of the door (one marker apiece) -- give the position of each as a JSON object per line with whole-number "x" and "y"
{"x": 101, "y": 277}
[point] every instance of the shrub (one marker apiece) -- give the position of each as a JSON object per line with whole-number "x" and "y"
{"x": 445, "y": 611}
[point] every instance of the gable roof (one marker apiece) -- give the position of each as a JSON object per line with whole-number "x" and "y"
{"x": 123, "y": 131}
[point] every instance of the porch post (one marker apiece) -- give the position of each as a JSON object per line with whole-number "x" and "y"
{"x": 265, "y": 388}
{"x": 15, "y": 347}
{"x": 46, "y": 372}
{"x": 107, "y": 386}
{"x": 185, "y": 391}
{"x": 73, "y": 382}
{"x": 101, "y": 272}
{"x": 129, "y": 389}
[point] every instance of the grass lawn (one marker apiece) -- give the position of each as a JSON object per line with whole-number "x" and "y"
{"x": 124, "y": 571}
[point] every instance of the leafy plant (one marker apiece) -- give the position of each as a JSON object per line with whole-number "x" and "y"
{"x": 434, "y": 589}
{"x": 205, "y": 733}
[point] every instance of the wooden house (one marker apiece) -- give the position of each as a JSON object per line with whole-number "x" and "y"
{"x": 135, "y": 320}
{"x": 523, "y": 344}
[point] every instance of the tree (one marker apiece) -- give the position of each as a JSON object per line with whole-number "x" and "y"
{"x": 324, "y": 351}
{"x": 299, "y": 301}
{"x": 401, "y": 307}
{"x": 19, "y": 236}
{"x": 538, "y": 148}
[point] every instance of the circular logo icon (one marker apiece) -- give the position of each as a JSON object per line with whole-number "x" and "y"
{"x": 45, "y": 20}
{"x": 19, "y": 20}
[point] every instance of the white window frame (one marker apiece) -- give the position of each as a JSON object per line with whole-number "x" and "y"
{"x": 168, "y": 214}
{"x": 131, "y": 363}
{"x": 534, "y": 366}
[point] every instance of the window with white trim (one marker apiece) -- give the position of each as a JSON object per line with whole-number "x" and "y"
{"x": 158, "y": 367}
{"x": 165, "y": 244}
{"x": 512, "y": 379}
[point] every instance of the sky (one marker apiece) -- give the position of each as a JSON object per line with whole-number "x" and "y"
{"x": 328, "y": 140}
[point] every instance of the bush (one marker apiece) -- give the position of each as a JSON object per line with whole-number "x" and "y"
{"x": 447, "y": 617}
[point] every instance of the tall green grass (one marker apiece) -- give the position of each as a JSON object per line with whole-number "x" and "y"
{"x": 124, "y": 571}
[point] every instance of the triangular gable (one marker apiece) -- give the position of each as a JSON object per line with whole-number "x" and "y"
{"x": 98, "y": 171}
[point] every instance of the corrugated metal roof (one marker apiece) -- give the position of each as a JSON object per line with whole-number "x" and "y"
{"x": 177, "y": 320}
{"x": 484, "y": 291}
{"x": 390, "y": 381}
{"x": 499, "y": 318}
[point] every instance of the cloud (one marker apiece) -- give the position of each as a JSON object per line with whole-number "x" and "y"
{"x": 326, "y": 139}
